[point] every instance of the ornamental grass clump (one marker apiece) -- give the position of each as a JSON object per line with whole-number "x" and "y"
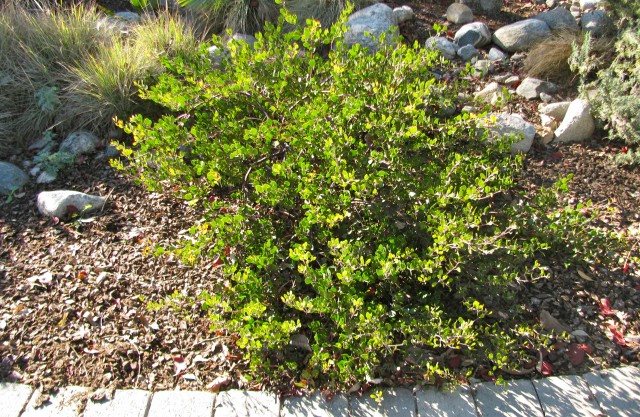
{"x": 354, "y": 214}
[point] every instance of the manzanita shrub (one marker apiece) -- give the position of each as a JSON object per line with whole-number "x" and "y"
{"x": 349, "y": 203}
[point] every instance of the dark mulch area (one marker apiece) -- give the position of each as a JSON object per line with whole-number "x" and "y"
{"x": 90, "y": 322}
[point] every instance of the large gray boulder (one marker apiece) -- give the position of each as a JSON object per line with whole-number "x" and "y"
{"x": 366, "y": 25}
{"x": 438, "y": 43}
{"x": 459, "y": 14}
{"x": 559, "y": 19}
{"x": 597, "y": 23}
{"x": 578, "y": 124}
{"x": 79, "y": 143}
{"x": 12, "y": 178}
{"x": 522, "y": 35}
{"x": 63, "y": 202}
{"x": 514, "y": 126}
{"x": 532, "y": 88}
{"x": 483, "y": 6}
{"x": 476, "y": 34}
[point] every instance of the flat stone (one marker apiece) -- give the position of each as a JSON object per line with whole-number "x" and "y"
{"x": 67, "y": 402}
{"x": 467, "y": 52}
{"x": 443, "y": 45}
{"x": 496, "y": 54}
{"x": 556, "y": 110}
{"x": 130, "y": 403}
{"x": 11, "y": 178}
{"x": 566, "y": 396}
{"x": 316, "y": 406}
{"x": 398, "y": 402}
{"x": 80, "y": 142}
{"x": 476, "y": 34}
{"x": 559, "y": 18}
{"x": 459, "y": 13}
{"x": 617, "y": 391}
{"x": 13, "y": 398}
{"x": 437, "y": 403}
{"x": 181, "y": 404}
{"x": 597, "y": 23}
{"x": 57, "y": 203}
{"x": 236, "y": 403}
{"x": 403, "y": 14}
{"x": 518, "y": 399}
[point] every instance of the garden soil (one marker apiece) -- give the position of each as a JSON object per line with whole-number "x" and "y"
{"x": 86, "y": 302}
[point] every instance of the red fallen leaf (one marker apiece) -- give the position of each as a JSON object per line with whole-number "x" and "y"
{"x": 576, "y": 353}
{"x": 179, "y": 364}
{"x": 624, "y": 149}
{"x": 617, "y": 337}
{"x": 82, "y": 275}
{"x": 605, "y": 307}
{"x": 218, "y": 261}
{"x": 545, "y": 368}
{"x": 556, "y": 155}
{"x": 55, "y": 220}
{"x": 455, "y": 361}
{"x": 625, "y": 268}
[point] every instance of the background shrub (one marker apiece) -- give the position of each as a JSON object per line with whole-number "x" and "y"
{"x": 63, "y": 68}
{"x": 614, "y": 89}
{"x": 346, "y": 209}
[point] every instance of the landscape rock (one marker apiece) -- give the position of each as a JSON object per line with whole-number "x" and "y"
{"x": 589, "y": 4}
{"x": 80, "y": 142}
{"x": 467, "y": 52}
{"x": 575, "y": 11}
{"x": 577, "y": 124}
{"x": 507, "y": 124}
{"x": 531, "y": 88}
{"x": 459, "y": 14}
{"x": 403, "y": 14}
{"x": 366, "y": 25}
{"x": 58, "y": 203}
{"x": 483, "y": 67}
{"x": 512, "y": 80}
{"x": 492, "y": 93}
{"x": 551, "y": 3}
{"x": 548, "y": 122}
{"x": 476, "y": 34}
{"x": 496, "y": 54}
{"x": 248, "y": 39}
{"x": 545, "y": 97}
{"x": 129, "y": 16}
{"x": 597, "y": 23}
{"x": 12, "y": 178}
{"x": 447, "y": 48}
{"x": 556, "y": 110}
{"x": 46, "y": 178}
{"x": 559, "y": 18}
{"x": 483, "y": 6}
{"x": 522, "y": 35}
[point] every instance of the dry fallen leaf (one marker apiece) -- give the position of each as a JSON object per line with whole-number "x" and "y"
{"x": 549, "y": 322}
{"x": 584, "y": 276}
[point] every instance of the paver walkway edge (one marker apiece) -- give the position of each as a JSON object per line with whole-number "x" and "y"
{"x": 613, "y": 393}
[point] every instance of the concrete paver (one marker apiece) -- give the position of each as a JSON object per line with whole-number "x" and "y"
{"x": 181, "y": 404}
{"x": 13, "y": 398}
{"x": 398, "y": 402}
{"x": 518, "y": 399}
{"x": 566, "y": 396}
{"x": 617, "y": 391}
{"x": 315, "y": 405}
{"x": 67, "y": 402}
{"x": 433, "y": 402}
{"x": 236, "y": 403}
{"x": 125, "y": 403}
